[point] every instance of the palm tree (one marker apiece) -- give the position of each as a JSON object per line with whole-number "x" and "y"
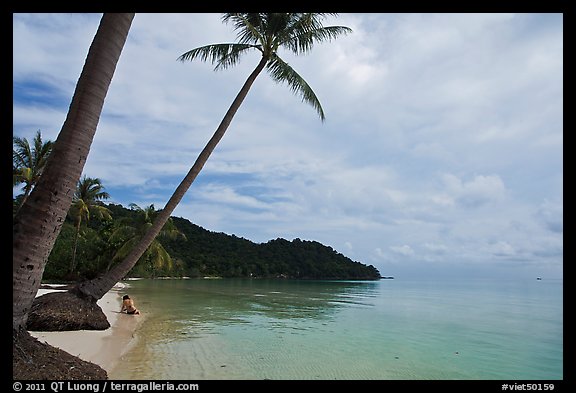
{"x": 266, "y": 33}
{"x": 28, "y": 162}
{"x": 85, "y": 202}
{"x": 40, "y": 218}
{"x": 129, "y": 232}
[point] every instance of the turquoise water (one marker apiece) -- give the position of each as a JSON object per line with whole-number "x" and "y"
{"x": 378, "y": 330}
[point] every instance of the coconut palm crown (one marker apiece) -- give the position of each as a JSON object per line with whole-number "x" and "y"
{"x": 28, "y": 162}
{"x": 296, "y": 32}
{"x": 86, "y": 201}
{"x": 129, "y": 232}
{"x": 265, "y": 33}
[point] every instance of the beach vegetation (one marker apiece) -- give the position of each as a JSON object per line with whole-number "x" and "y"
{"x": 105, "y": 241}
{"x": 194, "y": 251}
{"x": 129, "y": 230}
{"x": 207, "y": 253}
{"x": 28, "y": 162}
{"x": 93, "y": 253}
{"x": 85, "y": 203}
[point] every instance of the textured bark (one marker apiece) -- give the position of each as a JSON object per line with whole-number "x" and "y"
{"x": 39, "y": 221}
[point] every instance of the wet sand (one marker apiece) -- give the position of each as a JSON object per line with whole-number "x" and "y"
{"x": 102, "y": 347}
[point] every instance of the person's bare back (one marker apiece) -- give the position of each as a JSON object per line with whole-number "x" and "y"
{"x": 128, "y": 306}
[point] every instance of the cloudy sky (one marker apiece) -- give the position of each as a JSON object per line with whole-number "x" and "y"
{"x": 441, "y": 153}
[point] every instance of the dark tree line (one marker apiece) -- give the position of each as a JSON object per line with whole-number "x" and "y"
{"x": 201, "y": 253}
{"x": 208, "y": 253}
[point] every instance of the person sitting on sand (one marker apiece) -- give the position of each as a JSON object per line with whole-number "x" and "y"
{"x": 128, "y": 305}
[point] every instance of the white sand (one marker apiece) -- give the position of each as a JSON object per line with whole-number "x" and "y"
{"x": 103, "y": 347}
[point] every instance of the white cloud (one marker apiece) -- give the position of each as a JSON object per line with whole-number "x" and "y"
{"x": 502, "y": 248}
{"x": 402, "y": 250}
{"x": 443, "y": 139}
{"x": 436, "y": 248}
{"x": 550, "y": 214}
{"x": 476, "y": 192}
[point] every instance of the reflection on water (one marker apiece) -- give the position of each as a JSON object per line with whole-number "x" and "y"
{"x": 205, "y": 304}
{"x": 189, "y": 316}
{"x": 284, "y": 329}
{"x": 230, "y": 299}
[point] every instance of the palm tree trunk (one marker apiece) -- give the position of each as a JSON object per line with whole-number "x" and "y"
{"x": 97, "y": 287}
{"x": 73, "y": 263}
{"x": 24, "y": 198}
{"x": 39, "y": 221}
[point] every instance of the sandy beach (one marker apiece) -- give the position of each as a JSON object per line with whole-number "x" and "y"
{"x": 102, "y": 347}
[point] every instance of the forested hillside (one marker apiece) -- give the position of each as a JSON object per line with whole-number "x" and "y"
{"x": 198, "y": 253}
{"x": 208, "y": 253}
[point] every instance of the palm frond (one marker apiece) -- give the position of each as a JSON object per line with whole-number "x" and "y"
{"x": 122, "y": 232}
{"x": 222, "y": 55}
{"x": 125, "y": 249}
{"x": 304, "y": 39}
{"x": 249, "y": 27}
{"x": 102, "y": 212}
{"x": 22, "y": 154}
{"x": 41, "y": 150}
{"x": 267, "y": 32}
{"x": 160, "y": 257}
{"x": 281, "y": 72}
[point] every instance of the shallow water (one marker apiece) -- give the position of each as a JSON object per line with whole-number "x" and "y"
{"x": 387, "y": 329}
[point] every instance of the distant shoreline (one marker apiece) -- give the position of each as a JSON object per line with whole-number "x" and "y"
{"x": 260, "y": 278}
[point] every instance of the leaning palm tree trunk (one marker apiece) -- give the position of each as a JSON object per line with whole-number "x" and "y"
{"x": 75, "y": 247}
{"x": 40, "y": 219}
{"x": 24, "y": 198}
{"x": 97, "y": 287}
{"x": 265, "y": 33}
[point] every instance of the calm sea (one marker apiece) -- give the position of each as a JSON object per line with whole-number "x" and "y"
{"x": 378, "y": 330}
